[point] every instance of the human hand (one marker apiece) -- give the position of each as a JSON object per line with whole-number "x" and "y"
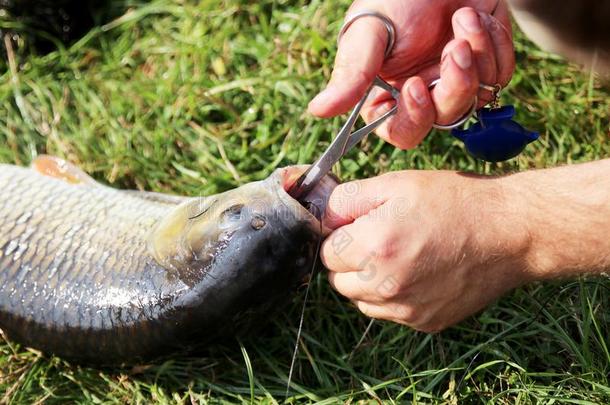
{"x": 458, "y": 41}
{"x": 426, "y": 248}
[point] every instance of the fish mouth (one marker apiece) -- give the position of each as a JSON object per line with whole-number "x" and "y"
{"x": 310, "y": 209}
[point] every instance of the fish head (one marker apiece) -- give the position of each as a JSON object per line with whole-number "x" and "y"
{"x": 241, "y": 248}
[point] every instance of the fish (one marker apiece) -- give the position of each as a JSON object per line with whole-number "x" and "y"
{"x": 101, "y": 275}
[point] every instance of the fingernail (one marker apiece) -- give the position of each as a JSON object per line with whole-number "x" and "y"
{"x": 490, "y": 22}
{"x": 375, "y": 91}
{"x": 418, "y": 93}
{"x": 382, "y": 109}
{"x": 462, "y": 56}
{"x": 470, "y": 22}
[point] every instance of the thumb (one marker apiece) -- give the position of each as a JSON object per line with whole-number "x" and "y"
{"x": 359, "y": 59}
{"x": 352, "y": 200}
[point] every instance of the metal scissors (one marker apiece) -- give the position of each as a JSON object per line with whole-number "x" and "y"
{"x": 343, "y": 142}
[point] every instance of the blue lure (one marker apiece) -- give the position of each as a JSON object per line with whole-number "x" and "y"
{"x": 495, "y": 137}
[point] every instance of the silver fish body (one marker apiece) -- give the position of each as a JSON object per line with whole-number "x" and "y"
{"x": 93, "y": 273}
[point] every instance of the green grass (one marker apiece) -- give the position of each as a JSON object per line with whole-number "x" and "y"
{"x": 198, "y": 97}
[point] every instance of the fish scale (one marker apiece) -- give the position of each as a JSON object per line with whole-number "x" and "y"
{"x": 103, "y": 275}
{"x": 57, "y": 243}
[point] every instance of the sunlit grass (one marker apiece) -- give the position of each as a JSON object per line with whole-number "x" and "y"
{"x": 199, "y": 97}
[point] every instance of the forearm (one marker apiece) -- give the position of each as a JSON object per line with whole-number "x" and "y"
{"x": 567, "y": 212}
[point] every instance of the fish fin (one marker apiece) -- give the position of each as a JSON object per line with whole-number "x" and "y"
{"x": 61, "y": 169}
{"x": 168, "y": 199}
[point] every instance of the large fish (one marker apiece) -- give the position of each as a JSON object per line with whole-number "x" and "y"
{"x": 93, "y": 273}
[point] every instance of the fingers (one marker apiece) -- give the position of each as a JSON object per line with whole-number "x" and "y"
{"x": 366, "y": 285}
{"x": 468, "y": 25}
{"x": 359, "y": 58}
{"x": 355, "y": 246}
{"x": 502, "y": 14}
{"x": 395, "y": 313}
{"x": 491, "y": 49}
{"x": 503, "y": 48}
{"x": 345, "y": 249}
{"x": 368, "y": 241}
{"x": 373, "y": 310}
{"x": 458, "y": 85}
{"x": 419, "y": 108}
{"x": 491, "y": 43}
{"x": 482, "y": 52}
{"x": 353, "y": 285}
{"x": 349, "y": 201}
{"x": 413, "y": 118}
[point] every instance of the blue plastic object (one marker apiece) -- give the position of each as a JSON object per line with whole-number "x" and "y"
{"x": 496, "y": 137}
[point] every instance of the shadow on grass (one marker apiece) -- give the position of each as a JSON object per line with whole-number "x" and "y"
{"x": 41, "y": 26}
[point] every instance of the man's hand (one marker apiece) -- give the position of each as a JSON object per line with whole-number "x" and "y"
{"x": 428, "y": 248}
{"x": 458, "y": 41}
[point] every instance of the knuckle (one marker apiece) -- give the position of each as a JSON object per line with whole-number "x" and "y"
{"x": 423, "y": 117}
{"x": 460, "y": 91}
{"x": 330, "y": 254}
{"x": 384, "y": 249}
{"x": 398, "y": 134}
{"x": 487, "y": 68}
{"x": 401, "y": 141}
{"x": 389, "y": 289}
{"x": 347, "y": 70}
{"x": 471, "y": 86}
{"x": 418, "y": 132}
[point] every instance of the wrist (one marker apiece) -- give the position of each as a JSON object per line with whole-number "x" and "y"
{"x": 509, "y": 231}
{"x": 498, "y": 235}
{"x": 566, "y": 214}
{"x": 521, "y": 210}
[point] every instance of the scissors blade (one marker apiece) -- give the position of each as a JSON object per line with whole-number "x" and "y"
{"x": 343, "y": 142}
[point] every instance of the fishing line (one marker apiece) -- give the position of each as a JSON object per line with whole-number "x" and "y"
{"x": 366, "y": 332}
{"x": 300, "y": 328}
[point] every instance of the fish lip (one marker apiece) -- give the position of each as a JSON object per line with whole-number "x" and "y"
{"x": 279, "y": 179}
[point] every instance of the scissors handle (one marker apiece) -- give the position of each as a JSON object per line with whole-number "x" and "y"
{"x": 343, "y": 142}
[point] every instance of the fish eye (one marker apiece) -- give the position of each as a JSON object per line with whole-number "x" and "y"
{"x": 258, "y": 222}
{"x": 233, "y": 212}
